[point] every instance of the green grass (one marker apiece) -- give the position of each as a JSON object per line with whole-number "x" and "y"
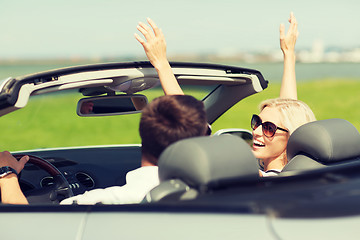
{"x": 328, "y": 98}
{"x": 57, "y": 125}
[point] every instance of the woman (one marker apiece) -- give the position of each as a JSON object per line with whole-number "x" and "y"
{"x": 278, "y": 118}
{"x": 272, "y": 128}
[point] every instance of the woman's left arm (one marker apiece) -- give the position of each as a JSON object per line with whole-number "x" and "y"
{"x": 287, "y": 43}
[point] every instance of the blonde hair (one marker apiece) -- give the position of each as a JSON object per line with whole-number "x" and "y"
{"x": 294, "y": 113}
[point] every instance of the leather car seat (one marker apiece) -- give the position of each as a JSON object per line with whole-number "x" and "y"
{"x": 194, "y": 166}
{"x": 322, "y": 143}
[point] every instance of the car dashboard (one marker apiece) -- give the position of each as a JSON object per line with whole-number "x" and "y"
{"x": 85, "y": 168}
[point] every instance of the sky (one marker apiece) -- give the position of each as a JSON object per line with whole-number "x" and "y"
{"x": 105, "y": 28}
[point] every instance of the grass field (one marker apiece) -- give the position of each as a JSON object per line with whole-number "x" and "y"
{"x": 57, "y": 124}
{"x": 328, "y": 98}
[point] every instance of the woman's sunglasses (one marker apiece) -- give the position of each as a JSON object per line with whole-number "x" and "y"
{"x": 268, "y": 128}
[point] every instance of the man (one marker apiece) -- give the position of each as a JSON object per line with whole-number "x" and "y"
{"x": 164, "y": 121}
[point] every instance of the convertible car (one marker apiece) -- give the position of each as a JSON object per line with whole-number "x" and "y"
{"x": 209, "y": 188}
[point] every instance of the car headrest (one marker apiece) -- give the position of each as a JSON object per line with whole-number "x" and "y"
{"x": 208, "y": 162}
{"x": 326, "y": 141}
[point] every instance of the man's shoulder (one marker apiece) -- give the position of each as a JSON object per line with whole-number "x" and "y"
{"x": 143, "y": 174}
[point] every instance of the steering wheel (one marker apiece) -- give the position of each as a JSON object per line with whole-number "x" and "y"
{"x": 59, "y": 190}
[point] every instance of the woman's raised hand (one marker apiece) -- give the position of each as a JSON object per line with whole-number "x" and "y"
{"x": 154, "y": 43}
{"x": 288, "y": 41}
{"x": 155, "y": 48}
{"x": 287, "y": 44}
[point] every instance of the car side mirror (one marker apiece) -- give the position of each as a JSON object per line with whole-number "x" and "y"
{"x": 111, "y": 105}
{"x": 238, "y": 132}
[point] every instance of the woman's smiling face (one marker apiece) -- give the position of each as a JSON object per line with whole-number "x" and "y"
{"x": 270, "y": 148}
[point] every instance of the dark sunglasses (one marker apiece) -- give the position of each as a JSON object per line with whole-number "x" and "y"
{"x": 268, "y": 128}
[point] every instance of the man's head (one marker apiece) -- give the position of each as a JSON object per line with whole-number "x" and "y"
{"x": 168, "y": 119}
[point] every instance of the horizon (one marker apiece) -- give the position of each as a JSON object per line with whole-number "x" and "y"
{"x": 318, "y": 53}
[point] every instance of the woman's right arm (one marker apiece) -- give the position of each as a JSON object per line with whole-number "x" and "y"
{"x": 155, "y": 49}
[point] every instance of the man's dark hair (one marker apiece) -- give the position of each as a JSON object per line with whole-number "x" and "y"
{"x": 168, "y": 119}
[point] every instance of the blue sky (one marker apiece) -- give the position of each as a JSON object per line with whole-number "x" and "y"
{"x": 79, "y": 28}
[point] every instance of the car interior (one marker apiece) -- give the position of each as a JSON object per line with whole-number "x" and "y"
{"x": 100, "y": 84}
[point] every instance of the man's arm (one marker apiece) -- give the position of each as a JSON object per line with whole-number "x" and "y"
{"x": 9, "y": 184}
{"x": 287, "y": 43}
{"x": 10, "y": 190}
{"x": 155, "y": 49}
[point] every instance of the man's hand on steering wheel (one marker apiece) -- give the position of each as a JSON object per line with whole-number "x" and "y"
{"x": 60, "y": 189}
{"x": 10, "y": 167}
{"x": 6, "y": 159}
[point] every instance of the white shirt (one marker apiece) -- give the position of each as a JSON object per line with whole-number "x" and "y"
{"x": 138, "y": 183}
{"x": 271, "y": 172}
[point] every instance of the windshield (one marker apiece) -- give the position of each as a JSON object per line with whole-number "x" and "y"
{"x": 51, "y": 121}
